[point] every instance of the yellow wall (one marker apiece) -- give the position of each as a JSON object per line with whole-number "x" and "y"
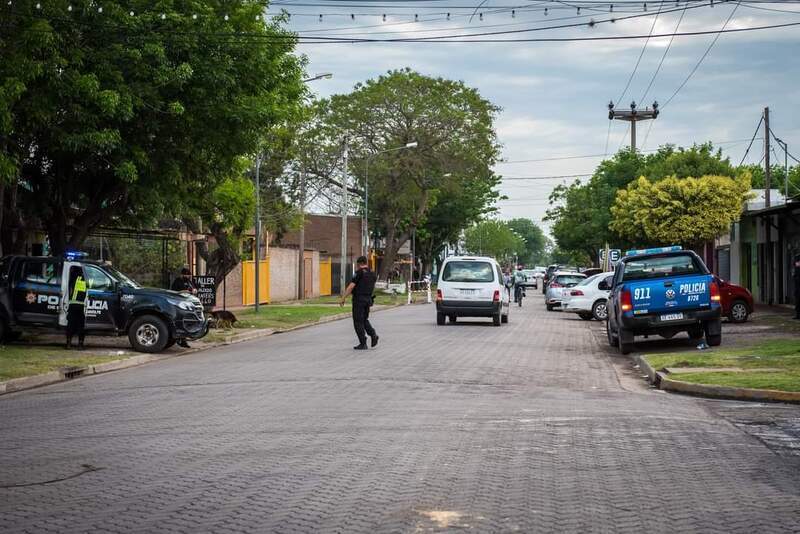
{"x": 249, "y": 284}
{"x": 325, "y": 277}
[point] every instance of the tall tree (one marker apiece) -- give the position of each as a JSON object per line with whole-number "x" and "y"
{"x": 535, "y": 240}
{"x": 108, "y": 118}
{"x": 495, "y": 239}
{"x": 453, "y": 126}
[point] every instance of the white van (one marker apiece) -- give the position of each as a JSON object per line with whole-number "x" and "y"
{"x": 471, "y": 287}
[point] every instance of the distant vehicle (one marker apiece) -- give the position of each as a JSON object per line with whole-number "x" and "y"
{"x": 531, "y": 279}
{"x": 33, "y": 295}
{"x": 547, "y": 274}
{"x": 591, "y": 271}
{"x": 588, "y": 298}
{"x": 471, "y": 287}
{"x": 559, "y": 288}
{"x": 662, "y": 291}
{"x": 737, "y": 302}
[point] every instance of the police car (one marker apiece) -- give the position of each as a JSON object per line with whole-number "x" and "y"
{"x": 33, "y": 295}
{"x": 662, "y": 291}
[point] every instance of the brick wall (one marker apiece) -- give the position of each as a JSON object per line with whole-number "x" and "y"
{"x": 283, "y": 270}
{"x": 324, "y": 234}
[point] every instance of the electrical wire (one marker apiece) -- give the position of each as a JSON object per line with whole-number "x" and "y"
{"x": 755, "y": 133}
{"x": 641, "y": 54}
{"x": 660, "y": 63}
{"x": 697, "y": 66}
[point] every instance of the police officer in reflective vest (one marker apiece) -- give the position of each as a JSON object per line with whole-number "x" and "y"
{"x": 76, "y": 310}
{"x": 362, "y": 287}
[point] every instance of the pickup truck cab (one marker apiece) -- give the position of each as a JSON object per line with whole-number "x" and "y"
{"x": 33, "y": 295}
{"x": 662, "y": 291}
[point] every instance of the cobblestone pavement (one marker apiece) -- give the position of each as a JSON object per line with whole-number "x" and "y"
{"x": 530, "y": 427}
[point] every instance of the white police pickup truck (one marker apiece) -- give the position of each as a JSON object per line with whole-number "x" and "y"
{"x": 662, "y": 291}
{"x": 33, "y": 296}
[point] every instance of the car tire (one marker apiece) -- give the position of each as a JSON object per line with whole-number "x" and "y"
{"x": 624, "y": 348}
{"x": 170, "y": 343}
{"x": 453, "y": 318}
{"x": 613, "y": 340}
{"x": 504, "y": 319}
{"x": 739, "y": 312}
{"x": 600, "y": 310}
{"x": 148, "y": 333}
{"x": 549, "y": 307}
{"x": 713, "y": 340}
{"x": 586, "y": 316}
{"x": 496, "y": 319}
{"x": 440, "y": 319}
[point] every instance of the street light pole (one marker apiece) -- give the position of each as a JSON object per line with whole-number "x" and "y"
{"x": 258, "y": 230}
{"x": 343, "y": 259}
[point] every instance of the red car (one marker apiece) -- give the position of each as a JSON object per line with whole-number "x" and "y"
{"x": 737, "y": 302}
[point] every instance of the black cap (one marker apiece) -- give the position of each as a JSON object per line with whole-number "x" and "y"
{"x": 186, "y": 270}
{"x": 361, "y": 260}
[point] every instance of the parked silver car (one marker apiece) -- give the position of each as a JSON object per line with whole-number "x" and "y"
{"x": 559, "y": 287}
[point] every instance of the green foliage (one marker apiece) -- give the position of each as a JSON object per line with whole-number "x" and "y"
{"x": 581, "y": 212}
{"x": 777, "y": 178}
{"x": 535, "y": 240}
{"x": 116, "y": 119}
{"x": 495, "y": 239}
{"x": 678, "y": 210}
{"x": 457, "y": 146}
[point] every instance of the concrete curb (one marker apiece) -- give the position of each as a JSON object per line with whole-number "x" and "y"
{"x": 662, "y": 381}
{"x": 53, "y": 377}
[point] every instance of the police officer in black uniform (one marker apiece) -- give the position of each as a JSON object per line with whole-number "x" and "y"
{"x": 362, "y": 287}
{"x": 184, "y": 283}
{"x": 796, "y": 279}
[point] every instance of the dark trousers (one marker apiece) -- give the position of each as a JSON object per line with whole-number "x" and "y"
{"x": 361, "y": 320}
{"x": 76, "y": 322}
{"x": 797, "y": 304}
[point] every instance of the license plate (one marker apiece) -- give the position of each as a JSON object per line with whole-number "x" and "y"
{"x": 467, "y": 292}
{"x": 672, "y": 317}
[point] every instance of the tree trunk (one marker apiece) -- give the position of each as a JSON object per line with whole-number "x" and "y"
{"x": 388, "y": 255}
{"x": 222, "y": 260}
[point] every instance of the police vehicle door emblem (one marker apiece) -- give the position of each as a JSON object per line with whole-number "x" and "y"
{"x": 30, "y": 298}
{"x": 670, "y": 294}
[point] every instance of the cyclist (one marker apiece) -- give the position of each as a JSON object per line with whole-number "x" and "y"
{"x": 519, "y": 280}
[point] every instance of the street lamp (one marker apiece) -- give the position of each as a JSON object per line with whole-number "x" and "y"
{"x": 321, "y": 76}
{"x": 364, "y": 226}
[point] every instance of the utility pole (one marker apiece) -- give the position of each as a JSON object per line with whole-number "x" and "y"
{"x": 301, "y": 270}
{"x": 768, "y": 278}
{"x": 343, "y": 259}
{"x": 258, "y": 230}
{"x": 633, "y": 116}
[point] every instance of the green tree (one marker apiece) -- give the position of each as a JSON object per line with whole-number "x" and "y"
{"x": 777, "y": 178}
{"x": 108, "y": 118}
{"x": 676, "y": 210}
{"x": 495, "y": 239}
{"x": 453, "y": 126}
{"x": 535, "y": 240}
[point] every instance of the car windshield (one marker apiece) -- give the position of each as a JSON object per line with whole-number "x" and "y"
{"x": 468, "y": 271}
{"x": 660, "y": 267}
{"x": 569, "y": 280}
{"x": 121, "y": 278}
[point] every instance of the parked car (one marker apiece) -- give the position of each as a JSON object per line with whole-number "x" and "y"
{"x": 591, "y": 271}
{"x": 547, "y": 275}
{"x": 662, "y": 291}
{"x": 33, "y": 295}
{"x": 588, "y": 298}
{"x": 471, "y": 287}
{"x": 531, "y": 280}
{"x": 737, "y": 301}
{"x": 559, "y": 288}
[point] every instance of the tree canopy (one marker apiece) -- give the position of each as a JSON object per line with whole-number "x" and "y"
{"x": 495, "y": 239}
{"x": 118, "y": 119}
{"x": 534, "y": 238}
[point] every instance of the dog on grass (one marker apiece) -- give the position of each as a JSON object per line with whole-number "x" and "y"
{"x": 223, "y": 319}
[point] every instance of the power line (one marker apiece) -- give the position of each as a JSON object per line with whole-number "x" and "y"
{"x": 561, "y": 177}
{"x": 710, "y": 46}
{"x": 641, "y": 54}
{"x": 746, "y": 152}
{"x": 660, "y": 63}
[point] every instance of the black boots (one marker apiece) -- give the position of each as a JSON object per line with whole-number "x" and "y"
{"x": 374, "y": 339}
{"x": 362, "y": 346}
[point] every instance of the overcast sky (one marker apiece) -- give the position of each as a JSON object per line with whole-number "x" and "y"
{"x": 554, "y": 95}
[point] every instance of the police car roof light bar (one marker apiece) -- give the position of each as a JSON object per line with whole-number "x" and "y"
{"x": 657, "y": 250}
{"x": 75, "y": 255}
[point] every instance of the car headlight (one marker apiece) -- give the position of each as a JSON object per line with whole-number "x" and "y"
{"x": 182, "y": 304}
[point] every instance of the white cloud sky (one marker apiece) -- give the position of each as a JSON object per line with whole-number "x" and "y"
{"x": 554, "y": 95}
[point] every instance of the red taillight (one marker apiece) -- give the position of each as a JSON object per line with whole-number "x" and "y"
{"x": 555, "y": 284}
{"x": 715, "y": 297}
{"x": 625, "y": 301}
{"x": 496, "y": 297}
{"x": 576, "y": 293}
{"x": 439, "y": 295}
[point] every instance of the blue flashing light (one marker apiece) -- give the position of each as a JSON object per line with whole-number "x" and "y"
{"x": 72, "y": 255}
{"x": 657, "y": 250}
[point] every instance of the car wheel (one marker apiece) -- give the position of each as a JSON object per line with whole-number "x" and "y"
{"x": 739, "y": 312}
{"x": 600, "y": 310}
{"x": 440, "y": 319}
{"x": 148, "y": 333}
{"x": 585, "y": 316}
{"x": 612, "y": 339}
{"x": 713, "y": 340}
{"x": 624, "y": 348}
{"x": 453, "y": 318}
{"x": 549, "y": 307}
{"x": 496, "y": 319}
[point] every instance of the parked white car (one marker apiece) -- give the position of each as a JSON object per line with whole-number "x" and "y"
{"x": 559, "y": 286}
{"x": 588, "y": 298}
{"x": 471, "y": 287}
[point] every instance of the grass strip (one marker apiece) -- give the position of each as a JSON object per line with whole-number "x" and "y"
{"x": 17, "y": 361}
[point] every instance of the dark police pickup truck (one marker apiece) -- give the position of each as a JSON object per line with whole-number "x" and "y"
{"x": 662, "y": 291}
{"x": 33, "y": 295}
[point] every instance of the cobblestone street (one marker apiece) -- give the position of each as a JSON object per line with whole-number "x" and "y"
{"x": 534, "y": 426}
